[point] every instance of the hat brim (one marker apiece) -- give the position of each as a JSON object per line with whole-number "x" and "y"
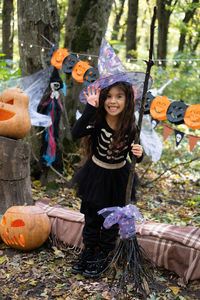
{"x": 136, "y": 79}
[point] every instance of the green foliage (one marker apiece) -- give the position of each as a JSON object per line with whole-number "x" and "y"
{"x": 187, "y": 86}
{"x": 8, "y": 69}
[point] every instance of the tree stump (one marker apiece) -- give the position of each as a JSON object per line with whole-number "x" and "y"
{"x": 15, "y": 183}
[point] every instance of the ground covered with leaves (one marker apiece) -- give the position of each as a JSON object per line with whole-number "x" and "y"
{"x": 45, "y": 273}
{"x": 169, "y": 193}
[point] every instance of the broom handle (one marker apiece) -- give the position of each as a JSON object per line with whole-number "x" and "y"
{"x": 137, "y": 136}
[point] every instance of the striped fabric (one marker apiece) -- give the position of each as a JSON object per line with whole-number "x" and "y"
{"x": 176, "y": 248}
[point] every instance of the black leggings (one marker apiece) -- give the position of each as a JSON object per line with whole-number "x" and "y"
{"x": 94, "y": 234}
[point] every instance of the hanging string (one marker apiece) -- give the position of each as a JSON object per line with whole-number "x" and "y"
{"x": 90, "y": 56}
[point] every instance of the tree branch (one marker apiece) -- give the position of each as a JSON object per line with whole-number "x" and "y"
{"x": 169, "y": 169}
{"x": 149, "y": 65}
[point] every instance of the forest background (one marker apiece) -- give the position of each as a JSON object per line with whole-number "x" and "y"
{"x": 173, "y": 182}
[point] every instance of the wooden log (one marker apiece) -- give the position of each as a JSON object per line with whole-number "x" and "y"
{"x": 15, "y": 183}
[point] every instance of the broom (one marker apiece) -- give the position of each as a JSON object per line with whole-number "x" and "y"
{"x": 129, "y": 258}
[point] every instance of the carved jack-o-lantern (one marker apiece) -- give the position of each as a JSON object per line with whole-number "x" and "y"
{"x": 14, "y": 117}
{"x": 192, "y": 116}
{"x": 58, "y": 57}
{"x": 79, "y": 70}
{"x": 25, "y": 227}
{"x": 90, "y": 76}
{"x": 158, "y": 108}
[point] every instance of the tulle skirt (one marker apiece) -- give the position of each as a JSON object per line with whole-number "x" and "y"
{"x": 99, "y": 187}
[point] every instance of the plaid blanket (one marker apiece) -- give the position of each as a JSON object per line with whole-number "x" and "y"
{"x": 176, "y": 248}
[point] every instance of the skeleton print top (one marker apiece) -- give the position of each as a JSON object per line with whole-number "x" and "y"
{"x": 102, "y": 136}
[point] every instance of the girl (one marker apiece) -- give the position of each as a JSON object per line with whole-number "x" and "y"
{"x": 108, "y": 125}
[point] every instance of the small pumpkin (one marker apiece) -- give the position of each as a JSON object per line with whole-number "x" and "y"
{"x": 79, "y": 70}
{"x": 176, "y": 112}
{"x": 68, "y": 63}
{"x": 58, "y": 57}
{"x": 25, "y": 227}
{"x": 90, "y": 76}
{"x": 192, "y": 116}
{"x": 158, "y": 107}
{"x": 147, "y": 105}
{"x": 14, "y": 116}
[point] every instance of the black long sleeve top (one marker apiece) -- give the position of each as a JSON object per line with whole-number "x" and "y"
{"x": 102, "y": 136}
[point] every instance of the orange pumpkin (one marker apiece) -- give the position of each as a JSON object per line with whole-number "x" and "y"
{"x": 158, "y": 108}
{"x": 25, "y": 227}
{"x": 192, "y": 116}
{"x": 79, "y": 70}
{"x": 14, "y": 116}
{"x": 58, "y": 57}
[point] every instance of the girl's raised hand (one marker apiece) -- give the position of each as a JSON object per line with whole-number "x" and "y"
{"x": 137, "y": 150}
{"x": 92, "y": 96}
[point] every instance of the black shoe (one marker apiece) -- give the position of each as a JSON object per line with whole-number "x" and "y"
{"x": 98, "y": 266}
{"x": 86, "y": 256}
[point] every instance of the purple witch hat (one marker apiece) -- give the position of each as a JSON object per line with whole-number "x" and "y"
{"x": 111, "y": 70}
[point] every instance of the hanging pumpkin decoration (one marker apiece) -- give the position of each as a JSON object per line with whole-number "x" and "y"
{"x": 25, "y": 227}
{"x": 58, "y": 57}
{"x": 79, "y": 70}
{"x": 192, "y": 116}
{"x": 176, "y": 112}
{"x": 158, "y": 108}
{"x": 147, "y": 105}
{"x": 14, "y": 116}
{"x": 90, "y": 76}
{"x": 68, "y": 63}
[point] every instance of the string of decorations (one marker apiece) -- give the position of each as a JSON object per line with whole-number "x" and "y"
{"x": 160, "y": 108}
{"x": 176, "y": 112}
{"x": 90, "y": 56}
{"x": 179, "y": 135}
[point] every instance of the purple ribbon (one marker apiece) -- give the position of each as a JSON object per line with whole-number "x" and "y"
{"x": 124, "y": 216}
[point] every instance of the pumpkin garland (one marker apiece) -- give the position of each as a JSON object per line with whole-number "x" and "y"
{"x": 62, "y": 59}
{"x": 176, "y": 112}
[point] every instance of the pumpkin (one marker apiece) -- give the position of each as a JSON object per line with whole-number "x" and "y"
{"x": 192, "y": 116}
{"x": 90, "y": 76}
{"x": 158, "y": 107}
{"x": 58, "y": 57}
{"x": 147, "y": 105}
{"x": 68, "y": 63}
{"x": 25, "y": 227}
{"x": 79, "y": 70}
{"x": 176, "y": 112}
{"x": 14, "y": 116}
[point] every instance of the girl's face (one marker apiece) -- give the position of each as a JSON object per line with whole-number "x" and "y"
{"x": 115, "y": 101}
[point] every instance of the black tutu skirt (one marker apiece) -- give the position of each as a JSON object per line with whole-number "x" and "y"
{"x": 99, "y": 187}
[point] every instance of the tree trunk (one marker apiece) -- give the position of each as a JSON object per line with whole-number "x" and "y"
{"x": 85, "y": 26}
{"x": 7, "y": 31}
{"x": 131, "y": 33}
{"x": 188, "y": 16}
{"x": 36, "y": 17}
{"x": 163, "y": 16}
{"x": 116, "y": 25}
{"x": 15, "y": 185}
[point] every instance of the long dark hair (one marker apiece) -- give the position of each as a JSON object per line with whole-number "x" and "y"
{"x": 126, "y": 118}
